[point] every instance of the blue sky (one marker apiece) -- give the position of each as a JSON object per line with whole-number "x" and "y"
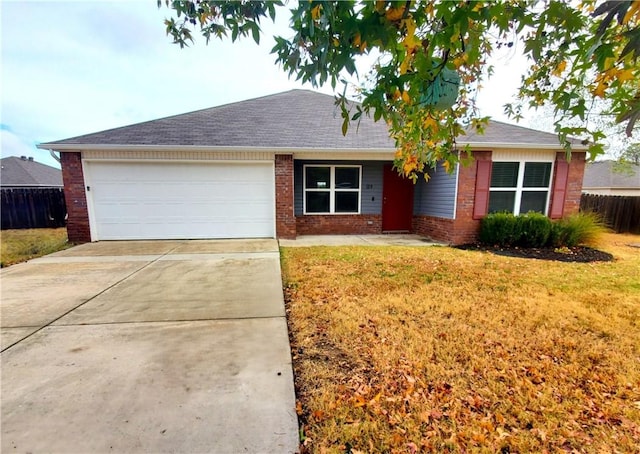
{"x": 74, "y": 67}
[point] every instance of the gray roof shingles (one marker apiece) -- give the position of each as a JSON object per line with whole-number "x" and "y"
{"x": 604, "y": 174}
{"x": 300, "y": 119}
{"x": 19, "y": 172}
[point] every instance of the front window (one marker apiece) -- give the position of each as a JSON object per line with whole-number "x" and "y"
{"x": 519, "y": 187}
{"x": 332, "y": 189}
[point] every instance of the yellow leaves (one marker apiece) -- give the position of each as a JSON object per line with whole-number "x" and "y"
{"x": 625, "y": 75}
{"x": 411, "y": 43}
{"x": 589, "y": 7}
{"x": 611, "y": 75}
{"x": 460, "y": 60}
{"x": 315, "y": 12}
{"x": 203, "y": 18}
{"x": 609, "y": 63}
{"x": 431, "y": 123}
{"x": 358, "y": 43}
{"x": 405, "y": 97}
{"x": 410, "y": 25}
{"x": 600, "y": 87}
{"x": 634, "y": 10}
{"x": 410, "y": 164}
{"x": 404, "y": 66}
{"x": 359, "y": 401}
{"x": 394, "y": 14}
{"x": 477, "y": 6}
{"x": 559, "y": 69}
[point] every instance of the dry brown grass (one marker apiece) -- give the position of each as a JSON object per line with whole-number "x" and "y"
{"x": 21, "y": 245}
{"x": 442, "y": 350}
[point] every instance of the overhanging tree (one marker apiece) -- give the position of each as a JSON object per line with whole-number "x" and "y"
{"x": 433, "y": 55}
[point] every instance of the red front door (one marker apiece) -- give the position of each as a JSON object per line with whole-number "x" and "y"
{"x": 397, "y": 201}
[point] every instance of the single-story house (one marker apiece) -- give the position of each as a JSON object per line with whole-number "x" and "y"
{"x": 24, "y": 172}
{"x": 32, "y": 194}
{"x": 611, "y": 178}
{"x": 279, "y": 166}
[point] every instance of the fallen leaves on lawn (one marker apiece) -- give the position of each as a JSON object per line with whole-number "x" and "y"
{"x": 406, "y": 350}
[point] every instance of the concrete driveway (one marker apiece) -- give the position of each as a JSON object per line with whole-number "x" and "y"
{"x": 147, "y": 346}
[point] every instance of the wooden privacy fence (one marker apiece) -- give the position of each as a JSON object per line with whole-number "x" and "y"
{"x": 621, "y": 213}
{"x": 33, "y": 208}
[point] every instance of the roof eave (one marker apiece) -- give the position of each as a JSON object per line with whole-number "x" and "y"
{"x": 204, "y": 148}
{"x": 519, "y": 145}
{"x": 198, "y": 148}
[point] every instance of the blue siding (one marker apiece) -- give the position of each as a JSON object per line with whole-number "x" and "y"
{"x": 437, "y": 197}
{"x": 370, "y": 194}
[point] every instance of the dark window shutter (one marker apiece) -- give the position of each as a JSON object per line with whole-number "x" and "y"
{"x": 483, "y": 180}
{"x": 559, "y": 189}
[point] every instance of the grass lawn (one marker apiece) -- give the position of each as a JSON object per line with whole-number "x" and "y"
{"x": 400, "y": 349}
{"x": 21, "y": 245}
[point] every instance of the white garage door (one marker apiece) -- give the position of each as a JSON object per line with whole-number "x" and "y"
{"x": 168, "y": 200}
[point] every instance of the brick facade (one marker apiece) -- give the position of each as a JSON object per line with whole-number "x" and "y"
{"x": 463, "y": 229}
{"x": 574, "y": 181}
{"x": 78, "y": 230}
{"x": 339, "y": 224}
{"x": 285, "y": 217}
{"x": 439, "y": 229}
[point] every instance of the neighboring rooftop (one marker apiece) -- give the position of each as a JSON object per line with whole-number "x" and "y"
{"x": 611, "y": 175}
{"x": 298, "y": 119}
{"x": 25, "y": 172}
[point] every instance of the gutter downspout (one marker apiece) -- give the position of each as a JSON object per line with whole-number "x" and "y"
{"x": 54, "y": 156}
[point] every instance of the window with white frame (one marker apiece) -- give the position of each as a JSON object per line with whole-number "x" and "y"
{"x": 330, "y": 189}
{"x": 520, "y": 187}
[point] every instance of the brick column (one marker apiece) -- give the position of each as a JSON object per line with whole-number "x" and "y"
{"x": 78, "y": 229}
{"x": 574, "y": 181}
{"x": 465, "y": 228}
{"x": 285, "y": 216}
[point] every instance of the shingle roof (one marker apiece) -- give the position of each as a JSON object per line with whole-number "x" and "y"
{"x": 299, "y": 119}
{"x": 603, "y": 174}
{"x": 23, "y": 172}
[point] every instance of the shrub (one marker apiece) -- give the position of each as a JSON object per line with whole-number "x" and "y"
{"x": 499, "y": 229}
{"x": 578, "y": 229}
{"x": 534, "y": 229}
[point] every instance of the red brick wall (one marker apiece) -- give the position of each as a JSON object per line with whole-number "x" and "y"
{"x": 78, "y": 229}
{"x": 439, "y": 229}
{"x": 285, "y": 217}
{"x": 339, "y": 224}
{"x": 465, "y": 229}
{"x": 574, "y": 181}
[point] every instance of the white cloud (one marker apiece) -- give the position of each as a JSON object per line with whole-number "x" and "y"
{"x": 13, "y": 145}
{"x": 71, "y": 68}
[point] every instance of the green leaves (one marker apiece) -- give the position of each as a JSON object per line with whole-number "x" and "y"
{"x": 578, "y": 53}
{"x": 218, "y": 19}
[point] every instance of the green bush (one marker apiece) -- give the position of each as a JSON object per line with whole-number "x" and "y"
{"x": 534, "y": 230}
{"x": 537, "y": 230}
{"x": 577, "y": 229}
{"x": 499, "y": 229}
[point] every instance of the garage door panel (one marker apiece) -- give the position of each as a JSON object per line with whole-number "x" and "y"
{"x": 181, "y": 200}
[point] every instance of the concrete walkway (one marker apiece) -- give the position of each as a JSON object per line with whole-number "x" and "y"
{"x": 163, "y": 346}
{"x": 359, "y": 240}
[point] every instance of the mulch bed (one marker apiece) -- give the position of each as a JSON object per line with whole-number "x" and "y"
{"x": 579, "y": 254}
